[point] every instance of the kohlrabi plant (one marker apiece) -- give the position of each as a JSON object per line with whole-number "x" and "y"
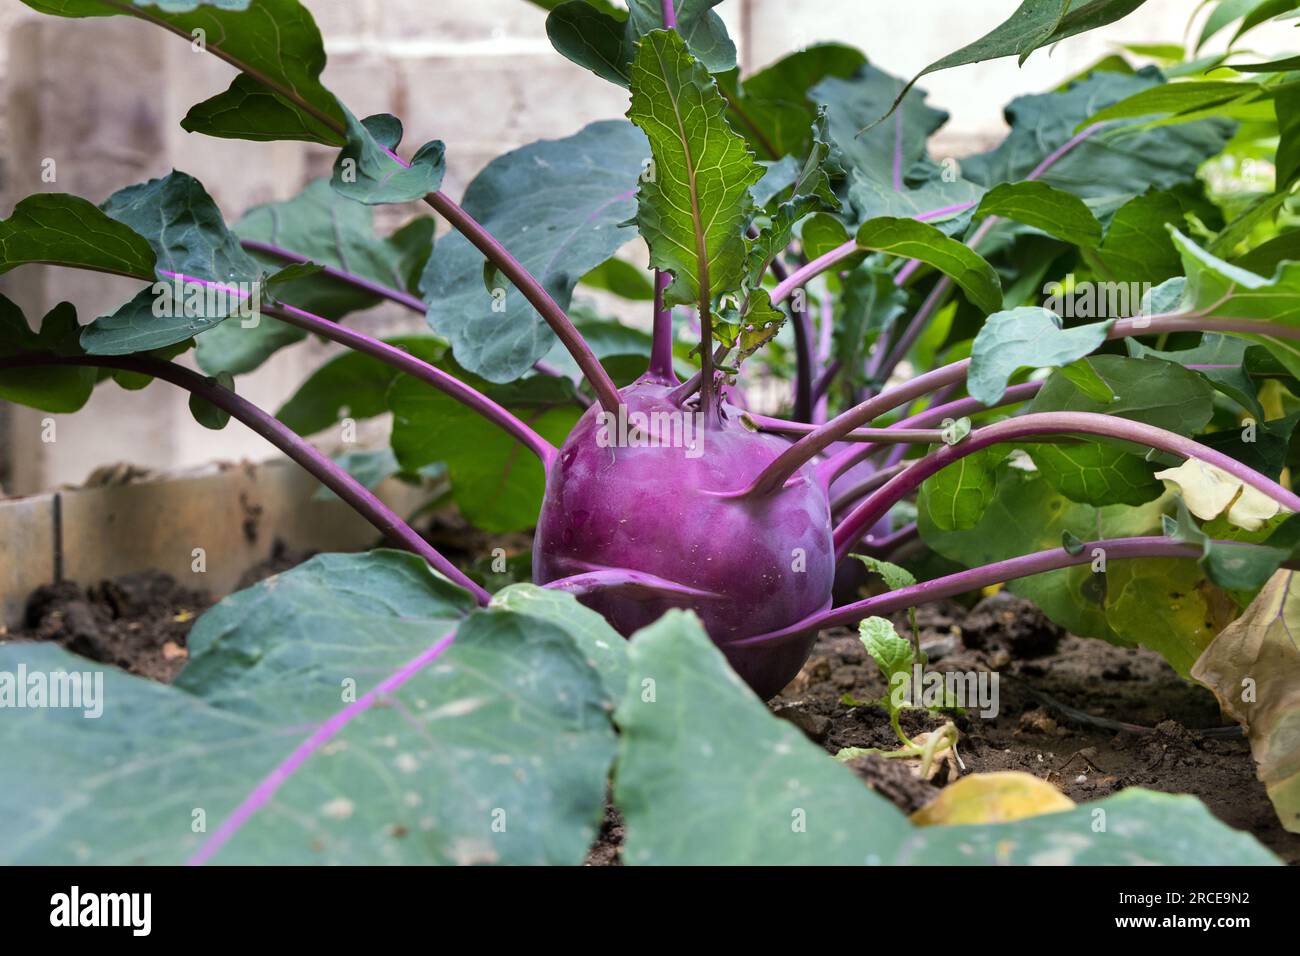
{"x": 1069, "y": 363}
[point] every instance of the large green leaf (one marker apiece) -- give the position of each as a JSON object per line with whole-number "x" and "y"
{"x": 1035, "y": 24}
{"x": 707, "y": 775}
{"x": 63, "y": 230}
{"x": 1156, "y": 393}
{"x": 178, "y": 218}
{"x": 497, "y": 482}
{"x": 497, "y": 752}
{"x": 276, "y": 45}
{"x": 367, "y": 168}
{"x": 560, "y": 207}
{"x": 352, "y": 385}
{"x": 774, "y": 107}
{"x": 1044, "y": 207}
{"x": 51, "y": 388}
{"x": 1109, "y": 164}
{"x": 1137, "y": 247}
{"x": 890, "y": 173}
{"x": 1233, "y": 293}
{"x": 1027, "y": 337}
{"x": 910, "y": 239}
{"x": 693, "y": 211}
{"x": 604, "y": 38}
{"x": 330, "y": 230}
{"x": 1162, "y": 603}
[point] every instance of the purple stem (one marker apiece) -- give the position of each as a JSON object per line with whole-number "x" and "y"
{"x": 1056, "y": 155}
{"x": 400, "y": 360}
{"x": 537, "y": 296}
{"x": 950, "y": 585}
{"x": 267, "y": 787}
{"x": 361, "y": 498}
{"x": 884, "y": 436}
{"x": 661, "y": 344}
{"x": 774, "y": 476}
{"x": 1034, "y": 426}
{"x": 406, "y": 299}
{"x": 833, "y": 467}
{"x": 803, "y": 351}
{"x": 869, "y": 484}
{"x": 412, "y": 302}
{"x": 670, "y": 15}
{"x": 634, "y": 583}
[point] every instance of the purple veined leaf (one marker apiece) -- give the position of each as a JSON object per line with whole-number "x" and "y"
{"x": 328, "y": 716}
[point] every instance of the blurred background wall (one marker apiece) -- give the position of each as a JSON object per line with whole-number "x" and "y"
{"x": 103, "y": 99}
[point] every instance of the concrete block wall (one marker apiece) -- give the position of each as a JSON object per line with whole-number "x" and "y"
{"x": 479, "y": 74}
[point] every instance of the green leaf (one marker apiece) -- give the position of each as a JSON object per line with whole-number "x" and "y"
{"x": 870, "y": 304}
{"x": 1286, "y": 104}
{"x": 275, "y": 43}
{"x": 330, "y": 230}
{"x": 1044, "y": 207}
{"x": 1233, "y": 565}
{"x": 918, "y": 240}
{"x": 690, "y": 727}
{"x": 420, "y": 779}
{"x": 178, "y": 218}
{"x": 351, "y": 385}
{"x": 693, "y": 211}
{"x": 955, "y": 498}
{"x": 51, "y": 388}
{"x": 1137, "y": 248}
{"x": 1234, "y": 293}
{"x": 603, "y": 38}
{"x": 774, "y": 107}
{"x": 181, "y": 222}
{"x": 1034, "y": 24}
{"x": 895, "y": 577}
{"x": 561, "y": 207}
{"x": 1221, "y": 359}
{"x": 367, "y": 169}
{"x": 207, "y": 414}
{"x": 890, "y": 173}
{"x": 1162, "y": 603}
{"x": 1027, "y": 337}
{"x": 591, "y": 38}
{"x": 497, "y": 482}
{"x": 1109, "y": 163}
{"x": 892, "y": 654}
{"x": 1155, "y": 393}
{"x": 621, "y": 278}
{"x": 1267, "y": 256}
{"x": 62, "y": 230}
{"x": 604, "y": 648}
{"x": 1176, "y": 98}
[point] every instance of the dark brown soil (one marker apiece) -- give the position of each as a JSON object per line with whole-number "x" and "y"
{"x": 1087, "y": 717}
{"x": 138, "y": 622}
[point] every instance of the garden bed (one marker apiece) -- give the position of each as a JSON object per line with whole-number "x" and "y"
{"x": 1086, "y": 716}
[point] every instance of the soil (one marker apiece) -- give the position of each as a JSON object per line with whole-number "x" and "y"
{"x": 1086, "y": 716}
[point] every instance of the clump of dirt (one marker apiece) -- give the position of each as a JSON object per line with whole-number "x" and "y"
{"x": 1086, "y": 716}
{"x": 139, "y": 622}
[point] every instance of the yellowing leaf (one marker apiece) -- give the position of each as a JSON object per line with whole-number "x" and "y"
{"x": 992, "y": 798}
{"x": 1253, "y": 667}
{"x": 1210, "y": 491}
